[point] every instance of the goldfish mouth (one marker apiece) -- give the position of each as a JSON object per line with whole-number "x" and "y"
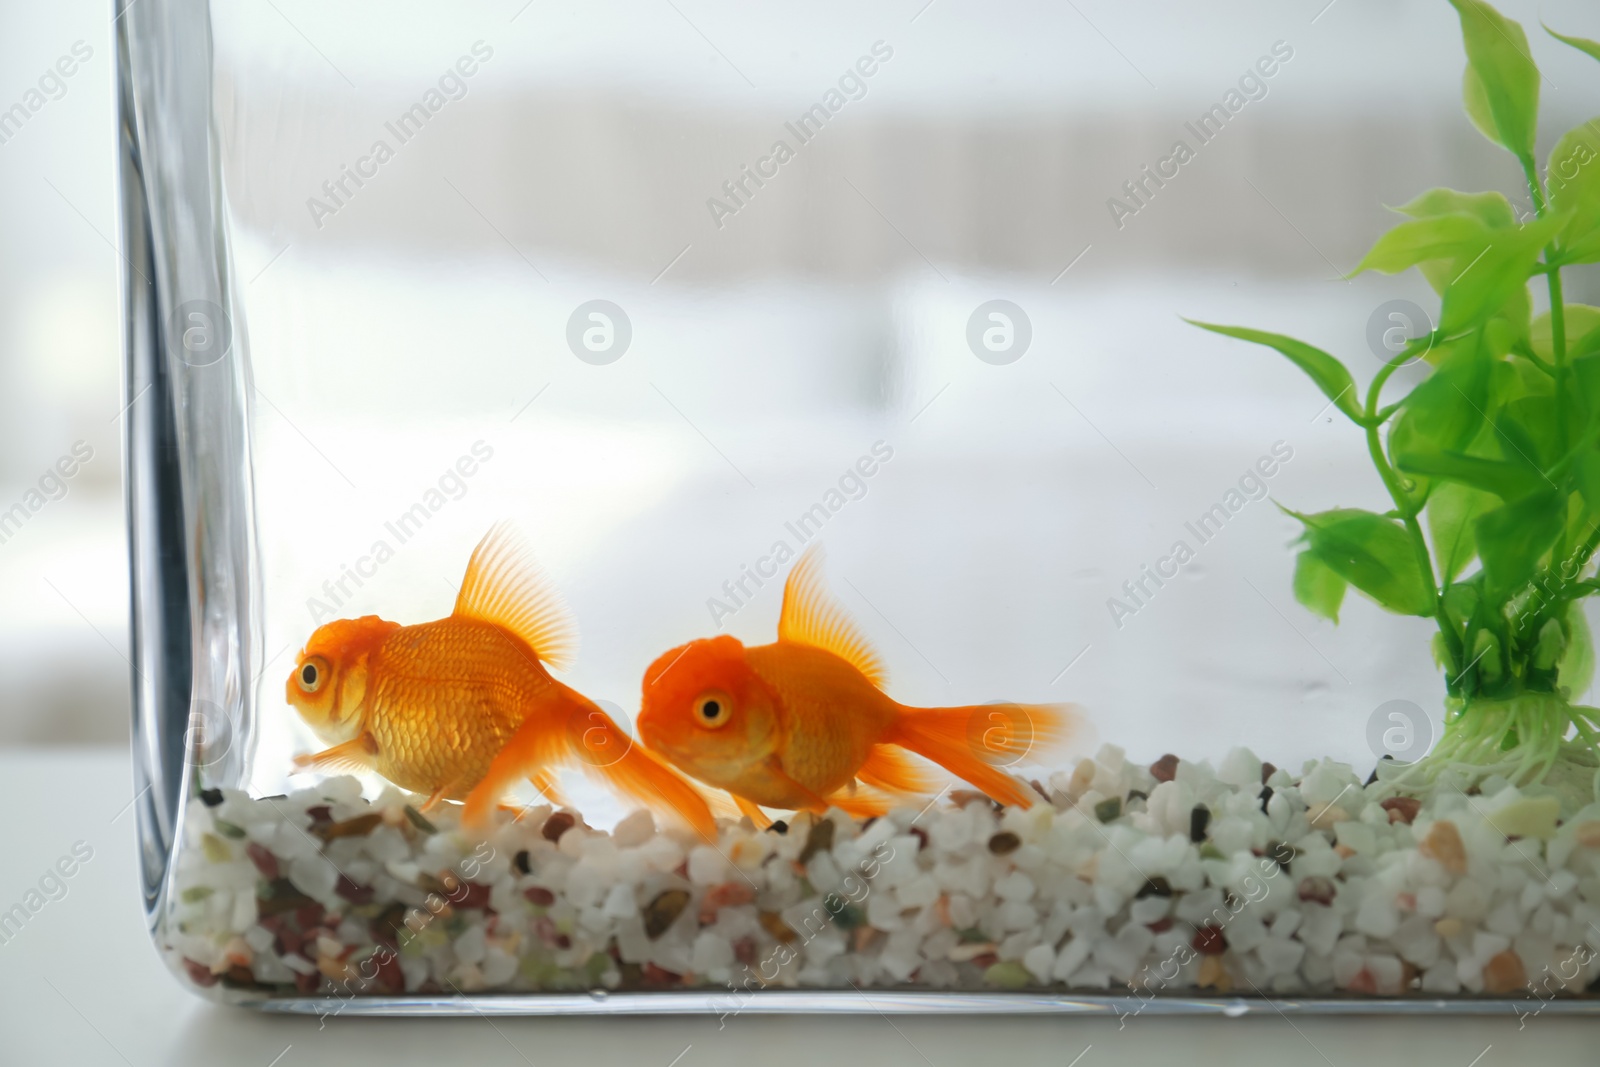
{"x": 684, "y": 756}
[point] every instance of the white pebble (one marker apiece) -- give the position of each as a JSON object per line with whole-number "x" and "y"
{"x": 1377, "y": 916}
{"x": 634, "y": 829}
{"x": 1150, "y": 909}
{"x": 1240, "y": 768}
{"x": 1281, "y": 955}
{"x": 1358, "y": 836}
{"x": 499, "y": 967}
{"x": 1039, "y": 960}
{"x": 470, "y": 946}
{"x": 1466, "y": 900}
{"x": 1015, "y": 886}
{"x": 619, "y": 903}
{"x": 314, "y": 876}
{"x": 706, "y": 866}
{"x": 919, "y": 892}
{"x": 1072, "y": 957}
{"x": 710, "y": 952}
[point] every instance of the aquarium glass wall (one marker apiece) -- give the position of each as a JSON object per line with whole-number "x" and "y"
{"x": 502, "y": 371}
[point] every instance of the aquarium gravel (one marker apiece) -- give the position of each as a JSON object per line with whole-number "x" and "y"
{"x": 1179, "y": 876}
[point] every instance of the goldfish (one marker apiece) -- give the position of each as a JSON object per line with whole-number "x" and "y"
{"x": 465, "y": 707}
{"x": 804, "y": 722}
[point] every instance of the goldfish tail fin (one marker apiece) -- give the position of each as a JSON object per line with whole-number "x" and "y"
{"x": 977, "y": 742}
{"x": 646, "y": 779}
{"x": 548, "y": 787}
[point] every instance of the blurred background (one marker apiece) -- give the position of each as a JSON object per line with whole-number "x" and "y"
{"x": 541, "y": 156}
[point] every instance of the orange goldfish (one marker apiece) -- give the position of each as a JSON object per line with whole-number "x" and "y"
{"x": 465, "y": 707}
{"x": 802, "y": 722}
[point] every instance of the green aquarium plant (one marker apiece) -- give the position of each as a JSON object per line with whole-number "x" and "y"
{"x": 1492, "y": 462}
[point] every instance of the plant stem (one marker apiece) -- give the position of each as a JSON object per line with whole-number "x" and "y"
{"x": 1558, "y": 323}
{"x": 1405, "y": 507}
{"x": 1558, "y": 326}
{"x": 1558, "y": 344}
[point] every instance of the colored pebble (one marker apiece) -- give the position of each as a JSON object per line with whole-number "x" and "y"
{"x": 1442, "y": 843}
{"x": 1004, "y": 843}
{"x": 663, "y": 911}
{"x": 558, "y": 824}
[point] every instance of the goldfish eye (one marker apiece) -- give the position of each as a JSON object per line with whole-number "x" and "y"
{"x": 311, "y": 674}
{"x": 713, "y": 709}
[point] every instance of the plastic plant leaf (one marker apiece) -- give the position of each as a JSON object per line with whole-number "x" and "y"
{"x": 1439, "y": 272}
{"x": 1581, "y": 322}
{"x": 1485, "y": 282}
{"x": 1330, "y": 375}
{"x": 1514, "y": 537}
{"x": 1508, "y": 481}
{"x": 1462, "y": 599}
{"x": 1515, "y": 379}
{"x": 1576, "y": 669}
{"x": 1526, "y": 427}
{"x": 1573, "y": 176}
{"x": 1450, "y": 236}
{"x": 1475, "y": 101}
{"x": 1508, "y": 327}
{"x": 1582, "y": 44}
{"x": 1453, "y": 510}
{"x": 1501, "y": 332}
{"x": 1587, "y": 478}
{"x": 1318, "y": 586}
{"x": 1586, "y": 343}
{"x": 1448, "y": 409}
{"x": 1501, "y": 89}
{"x": 1372, "y": 553}
{"x": 1492, "y": 209}
{"x": 1585, "y": 371}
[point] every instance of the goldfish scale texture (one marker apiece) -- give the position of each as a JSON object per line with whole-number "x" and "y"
{"x": 832, "y": 715}
{"x": 444, "y": 699}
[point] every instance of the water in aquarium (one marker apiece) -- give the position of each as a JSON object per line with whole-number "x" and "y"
{"x": 1086, "y": 499}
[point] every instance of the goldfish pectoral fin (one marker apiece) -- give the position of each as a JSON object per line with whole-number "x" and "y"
{"x": 352, "y": 755}
{"x": 806, "y": 798}
{"x": 859, "y": 803}
{"x": 812, "y": 617}
{"x": 505, "y": 587}
{"x": 752, "y": 810}
{"x": 894, "y": 770}
{"x": 434, "y": 799}
{"x": 976, "y": 742}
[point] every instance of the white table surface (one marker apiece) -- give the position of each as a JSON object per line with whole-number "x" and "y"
{"x": 81, "y": 984}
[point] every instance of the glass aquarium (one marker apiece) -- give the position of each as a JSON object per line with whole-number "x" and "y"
{"x": 1199, "y": 408}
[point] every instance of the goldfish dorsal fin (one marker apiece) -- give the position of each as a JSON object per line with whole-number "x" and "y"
{"x": 504, "y": 586}
{"x": 812, "y": 617}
